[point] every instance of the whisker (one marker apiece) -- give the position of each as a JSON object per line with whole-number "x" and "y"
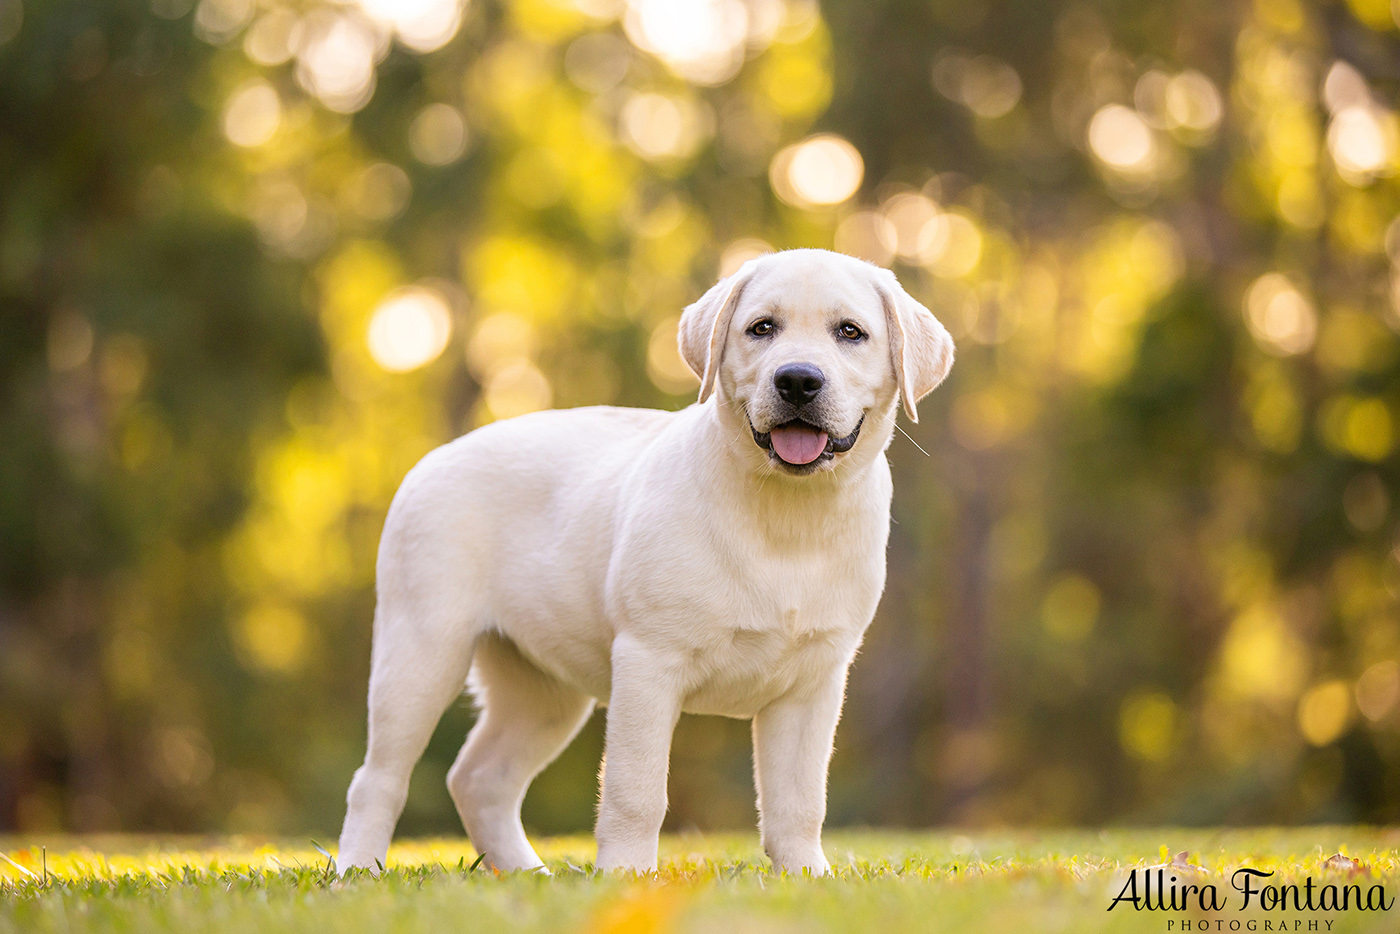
{"x": 764, "y": 474}
{"x": 768, "y": 469}
{"x": 894, "y": 420}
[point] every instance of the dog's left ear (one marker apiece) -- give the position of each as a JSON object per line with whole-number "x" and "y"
{"x": 705, "y": 324}
{"x": 921, "y": 348}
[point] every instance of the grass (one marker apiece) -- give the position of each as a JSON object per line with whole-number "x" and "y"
{"x": 885, "y": 882}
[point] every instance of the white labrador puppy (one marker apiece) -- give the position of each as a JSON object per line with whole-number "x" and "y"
{"x": 724, "y": 559}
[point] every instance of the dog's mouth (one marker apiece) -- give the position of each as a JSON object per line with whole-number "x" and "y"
{"x": 801, "y": 445}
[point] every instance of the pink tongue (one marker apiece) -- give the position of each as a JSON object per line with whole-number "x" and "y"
{"x": 798, "y": 444}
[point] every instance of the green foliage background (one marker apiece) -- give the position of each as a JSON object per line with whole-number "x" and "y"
{"x": 1145, "y": 572}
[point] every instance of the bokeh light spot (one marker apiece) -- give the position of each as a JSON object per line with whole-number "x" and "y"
{"x": 272, "y": 39}
{"x": 1280, "y": 317}
{"x": 70, "y": 341}
{"x": 597, "y": 62}
{"x": 740, "y": 252}
{"x": 336, "y": 57}
{"x": 983, "y": 84}
{"x": 272, "y": 637}
{"x": 1260, "y": 656}
{"x": 1121, "y": 139}
{"x": 1324, "y": 712}
{"x": 409, "y": 329}
{"x": 1192, "y": 102}
{"x": 950, "y": 245}
{"x": 381, "y": 192}
{"x": 252, "y": 114}
{"x": 868, "y": 235}
{"x": 218, "y": 21}
{"x": 1378, "y": 690}
{"x": 659, "y": 127}
{"x": 703, "y": 41}
{"x": 181, "y": 758}
{"x": 914, "y": 219}
{"x": 1358, "y": 427}
{"x": 1071, "y": 608}
{"x": 1147, "y": 726}
{"x": 821, "y": 170}
{"x": 422, "y": 25}
{"x": 517, "y": 388}
{"x": 438, "y": 135}
{"x": 1362, "y": 141}
{"x": 1344, "y": 87}
{"x": 500, "y": 339}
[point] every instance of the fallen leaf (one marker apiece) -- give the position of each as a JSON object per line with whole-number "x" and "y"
{"x": 1181, "y": 862}
{"x": 1339, "y": 863}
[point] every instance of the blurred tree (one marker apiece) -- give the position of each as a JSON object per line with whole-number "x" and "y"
{"x": 147, "y": 338}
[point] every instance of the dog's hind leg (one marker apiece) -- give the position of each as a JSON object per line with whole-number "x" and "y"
{"x": 420, "y": 664}
{"x": 527, "y": 718}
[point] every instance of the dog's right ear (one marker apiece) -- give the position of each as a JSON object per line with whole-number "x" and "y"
{"x": 705, "y": 324}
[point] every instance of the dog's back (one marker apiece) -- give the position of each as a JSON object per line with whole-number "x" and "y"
{"x": 517, "y": 486}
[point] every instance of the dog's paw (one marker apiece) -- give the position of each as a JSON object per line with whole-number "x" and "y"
{"x": 344, "y": 866}
{"x": 625, "y": 864}
{"x": 813, "y": 865}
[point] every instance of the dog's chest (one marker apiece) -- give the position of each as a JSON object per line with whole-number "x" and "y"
{"x": 748, "y": 604}
{"x": 782, "y": 629}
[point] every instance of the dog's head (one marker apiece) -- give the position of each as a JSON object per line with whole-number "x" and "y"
{"x": 808, "y": 345}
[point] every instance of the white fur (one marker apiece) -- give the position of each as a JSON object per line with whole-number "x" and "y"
{"x": 656, "y": 563}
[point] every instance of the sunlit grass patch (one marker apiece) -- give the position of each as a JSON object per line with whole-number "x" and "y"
{"x": 883, "y": 882}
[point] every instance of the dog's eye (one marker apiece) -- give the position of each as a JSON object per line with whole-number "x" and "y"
{"x": 761, "y": 328}
{"x": 850, "y": 332}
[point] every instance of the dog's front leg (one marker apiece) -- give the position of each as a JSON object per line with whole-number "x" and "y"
{"x": 792, "y": 740}
{"x": 642, "y": 712}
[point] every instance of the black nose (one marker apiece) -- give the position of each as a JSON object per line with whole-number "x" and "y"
{"x": 798, "y": 383}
